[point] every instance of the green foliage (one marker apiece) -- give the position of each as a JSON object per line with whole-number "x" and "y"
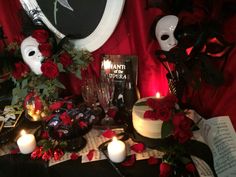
{"x": 166, "y": 129}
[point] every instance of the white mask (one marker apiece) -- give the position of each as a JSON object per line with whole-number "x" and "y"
{"x": 164, "y": 31}
{"x": 31, "y": 54}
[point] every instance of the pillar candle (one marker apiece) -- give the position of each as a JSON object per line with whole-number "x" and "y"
{"x": 26, "y": 143}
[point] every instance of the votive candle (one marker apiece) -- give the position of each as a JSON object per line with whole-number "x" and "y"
{"x": 116, "y": 150}
{"x": 26, "y": 142}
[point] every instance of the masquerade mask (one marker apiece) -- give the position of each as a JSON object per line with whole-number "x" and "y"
{"x": 31, "y": 54}
{"x": 164, "y": 32}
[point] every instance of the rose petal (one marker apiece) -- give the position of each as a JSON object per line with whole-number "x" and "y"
{"x": 190, "y": 167}
{"x": 138, "y": 148}
{"x": 56, "y": 105}
{"x": 15, "y": 151}
{"x": 83, "y": 124}
{"x": 90, "y": 154}
{"x": 108, "y": 133}
{"x": 129, "y": 162}
{"x": 44, "y": 134}
{"x": 153, "y": 160}
{"x": 112, "y": 112}
{"x": 74, "y": 156}
{"x": 69, "y": 105}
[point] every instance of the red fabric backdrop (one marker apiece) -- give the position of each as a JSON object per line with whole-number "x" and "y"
{"x": 132, "y": 36}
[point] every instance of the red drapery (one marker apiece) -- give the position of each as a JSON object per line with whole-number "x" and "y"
{"x": 132, "y": 36}
{"x": 10, "y": 19}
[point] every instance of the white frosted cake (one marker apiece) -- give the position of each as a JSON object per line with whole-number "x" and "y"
{"x": 145, "y": 127}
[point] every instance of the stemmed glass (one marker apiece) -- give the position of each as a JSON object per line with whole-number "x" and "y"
{"x": 89, "y": 92}
{"x": 105, "y": 93}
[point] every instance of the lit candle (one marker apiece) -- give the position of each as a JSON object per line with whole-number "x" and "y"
{"x": 26, "y": 143}
{"x": 158, "y": 95}
{"x": 107, "y": 66}
{"x": 116, "y": 150}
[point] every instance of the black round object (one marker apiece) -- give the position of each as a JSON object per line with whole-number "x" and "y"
{"x": 75, "y": 144}
{"x": 72, "y": 18}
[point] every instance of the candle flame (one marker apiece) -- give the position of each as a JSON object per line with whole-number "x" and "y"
{"x": 23, "y": 132}
{"x": 158, "y": 95}
{"x": 114, "y": 138}
{"x": 107, "y": 64}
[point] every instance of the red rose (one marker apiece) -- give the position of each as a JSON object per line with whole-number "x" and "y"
{"x": 153, "y": 103}
{"x": 40, "y": 35}
{"x": 182, "y": 135}
{"x": 56, "y": 105}
{"x": 164, "y": 113}
{"x": 21, "y": 70}
{"x": 169, "y": 101}
{"x": 178, "y": 118}
{"x": 65, "y": 119}
{"x": 50, "y": 69}
{"x": 45, "y": 49}
{"x": 190, "y": 167}
{"x": 65, "y": 59}
{"x": 182, "y": 127}
{"x": 165, "y": 169}
{"x": 150, "y": 115}
{"x": 44, "y": 135}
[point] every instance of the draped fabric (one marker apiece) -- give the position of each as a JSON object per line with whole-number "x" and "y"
{"x": 132, "y": 37}
{"x": 10, "y": 20}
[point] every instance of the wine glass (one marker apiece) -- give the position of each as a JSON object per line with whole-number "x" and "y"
{"x": 89, "y": 93}
{"x": 105, "y": 93}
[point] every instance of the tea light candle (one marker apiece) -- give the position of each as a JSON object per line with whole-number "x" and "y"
{"x": 26, "y": 143}
{"x": 116, "y": 150}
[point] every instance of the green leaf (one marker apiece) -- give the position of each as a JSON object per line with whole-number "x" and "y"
{"x": 202, "y": 151}
{"x": 60, "y": 67}
{"x": 141, "y": 103}
{"x": 24, "y": 83}
{"x": 42, "y": 142}
{"x": 63, "y": 144}
{"x": 166, "y": 129}
{"x": 59, "y": 84}
{"x": 165, "y": 144}
{"x": 78, "y": 74}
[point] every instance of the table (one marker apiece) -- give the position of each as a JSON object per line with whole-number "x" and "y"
{"x": 19, "y": 165}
